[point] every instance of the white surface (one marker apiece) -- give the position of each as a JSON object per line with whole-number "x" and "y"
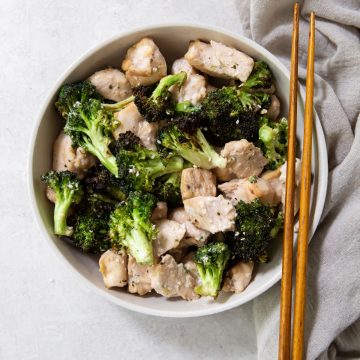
{"x": 173, "y": 41}
{"x": 44, "y": 311}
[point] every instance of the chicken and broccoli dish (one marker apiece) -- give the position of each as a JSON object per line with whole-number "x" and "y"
{"x": 177, "y": 182}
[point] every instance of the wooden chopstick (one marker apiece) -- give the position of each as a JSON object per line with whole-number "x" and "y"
{"x": 305, "y": 187}
{"x": 287, "y": 258}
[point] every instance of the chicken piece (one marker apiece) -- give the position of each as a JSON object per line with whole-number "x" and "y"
{"x": 139, "y": 281}
{"x": 172, "y": 280}
{"x": 193, "y": 90}
{"x": 169, "y": 236}
{"x": 238, "y": 277}
{"x": 193, "y": 235}
{"x": 144, "y": 64}
{"x": 160, "y": 211}
{"x": 211, "y": 213}
{"x": 130, "y": 119}
{"x": 111, "y": 84}
{"x": 274, "y": 110}
{"x": 182, "y": 64}
{"x": 248, "y": 190}
{"x": 224, "y": 174}
{"x": 197, "y": 182}
{"x": 194, "y": 87}
{"x": 219, "y": 60}
{"x": 66, "y": 157}
{"x": 244, "y": 159}
{"x": 113, "y": 267}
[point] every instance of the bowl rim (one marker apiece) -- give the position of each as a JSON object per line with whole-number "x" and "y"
{"x": 322, "y": 169}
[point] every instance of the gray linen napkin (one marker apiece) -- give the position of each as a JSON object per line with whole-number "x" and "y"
{"x": 334, "y": 257}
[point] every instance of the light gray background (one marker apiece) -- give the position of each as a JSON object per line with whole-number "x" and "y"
{"x": 45, "y": 313}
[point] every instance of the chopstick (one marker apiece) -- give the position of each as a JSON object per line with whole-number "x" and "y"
{"x": 287, "y": 259}
{"x": 305, "y": 187}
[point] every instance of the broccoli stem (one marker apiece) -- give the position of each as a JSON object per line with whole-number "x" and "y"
{"x": 60, "y": 214}
{"x": 168, "y": 81}
{"x": 210, "y": 281}
{"x": 140, "y": 247}
{"x": 119, "y": 105}
{"x": 102, "y": 152}
{"x": 215, "y": 159}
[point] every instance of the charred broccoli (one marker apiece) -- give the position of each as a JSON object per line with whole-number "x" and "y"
{"x": 167, "y": 189}
{"x": 139, "y": 167}
{"x": 100, "y": 181}
{"x": 211, "y": 260}
{"x": 231, "y": 113}
{"x": 156, "y": 104}
{"x": 68, "y": 191}
{"x": 274, "y": 141}
{"x": 191, "y": 145}
{"x": 88, "y": 123}
{"x": 254, "y": 226}
{"x": 131, "y": 228}
{"x": 91, "y": 224}
{"x": 260, "y": 78}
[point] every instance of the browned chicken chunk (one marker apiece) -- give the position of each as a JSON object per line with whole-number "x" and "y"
{"x": 238, "y": 277}
{"x": 248, "y": 190}
{"x": 219, "y": 60}
{"x": 144, "y": 64}
{"x": 274, "y": 110}
{"x": 169, "y": 236}
{"x": 244, "y": 159}
{"x": 172, "y": 280}
{"x": 138, "y": 277}
{"x": 113, "y": 267}
{"x": 111, "y": 84}
{"x": 66, "y": 157}
{"x": 211, "y": 213}
{"x": 194, "y": 88}
{"x": 193, "y": 235}
{"x": 197, "y": 182}
{"x": 129, "y": 119}
{"x": 160, "y": 211}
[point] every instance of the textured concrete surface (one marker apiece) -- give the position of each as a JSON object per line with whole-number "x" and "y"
{"x": 45, "y": 313}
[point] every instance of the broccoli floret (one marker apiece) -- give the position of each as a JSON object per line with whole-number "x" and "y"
{"x": 68, "y": 191}
{"x": 191, "y": 146}
{"x": 260, "y": 78}
{"x": 72, "y": 94}
{"x": 131, "y": 228}
{"x": 274, "y": 141}
{"x": 100, "y": 181}
{"x": 254, "y": 226}
{"x": 167, "y": 189}
{"x": 211, "y": 260}
{"x": 87, "y": 122}
{"x": 91, "y": 224}
{"x": 155, "y": 103}
{"x": 114, "y": 107}
{"x": 232, "y": 113}
{"x": 139, "y": 167}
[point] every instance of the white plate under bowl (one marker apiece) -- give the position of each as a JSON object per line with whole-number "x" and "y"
{"x": 173, "y": 40}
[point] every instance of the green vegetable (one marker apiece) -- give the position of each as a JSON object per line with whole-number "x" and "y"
{"x": 190, "y": 145}
{"x": 274, "y": 141}
{"x": 156, "y": 104}
{"x": 255, "y": 226}
{"x": 131, "y": 228}
{"x": 211, "y": 260}
{"x": 88, "y": 123}
{"x": 140, "y": 167}
{"x": 68, "y": 191}
{"x": 232, "y": 113}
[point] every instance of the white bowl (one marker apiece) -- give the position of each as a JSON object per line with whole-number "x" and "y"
{"x": 172, "y": 40}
